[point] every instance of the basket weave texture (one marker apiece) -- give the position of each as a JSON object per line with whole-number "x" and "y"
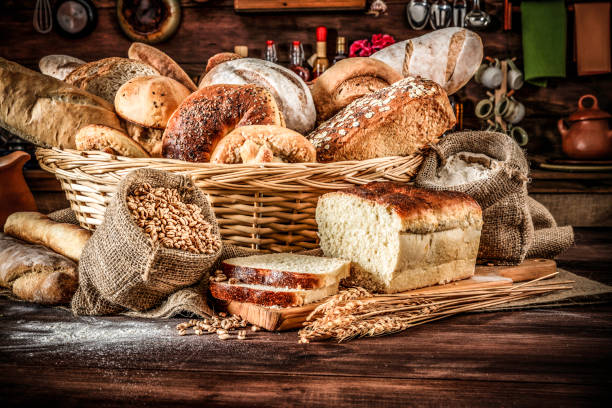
{"x": 267, "y": 207}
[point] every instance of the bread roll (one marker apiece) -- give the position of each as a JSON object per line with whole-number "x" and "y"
{"x": 105, "y": 76}
{"x": 347, "y": 80}
{"x": 37, "y": 228}
{"x": 45, "y": 110}
{"x": 109, "y": 140}
{"x": 394, "y": 121}
{"x": 400, "y": 237}
{"x": 263, "y": 144}
{"x": 59, "y": 66}
{"x": 291, "y": 93}
{"x": 220, "y": 58}
{"x": 449, "y": 56}
{"x": 161, "y": 62}
{"x": 209, "y": 114}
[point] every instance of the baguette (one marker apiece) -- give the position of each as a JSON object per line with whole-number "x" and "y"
{"x": 37, "y": 228}
{"x": 45, "y": 110}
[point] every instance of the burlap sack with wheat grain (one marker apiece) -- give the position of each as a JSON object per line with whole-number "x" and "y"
{"x": 515, "y": 225}
{"x": 122, "y": 270}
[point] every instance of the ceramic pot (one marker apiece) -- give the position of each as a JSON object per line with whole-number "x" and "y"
{"x": 16, "y": 196}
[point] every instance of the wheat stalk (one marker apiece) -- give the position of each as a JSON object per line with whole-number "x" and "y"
{"x": 355, "y": 312}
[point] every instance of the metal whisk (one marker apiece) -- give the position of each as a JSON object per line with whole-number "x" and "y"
{"x": 43, "y": 19}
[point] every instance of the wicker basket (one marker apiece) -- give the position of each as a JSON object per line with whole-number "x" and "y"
{"x": 267, "y": 207}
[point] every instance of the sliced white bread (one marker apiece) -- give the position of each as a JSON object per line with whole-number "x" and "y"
{"x": 268, "y": 295}
{"x": 287, "y": 270}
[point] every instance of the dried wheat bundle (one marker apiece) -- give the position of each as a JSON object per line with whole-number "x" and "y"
{"x": 355, "y": 312}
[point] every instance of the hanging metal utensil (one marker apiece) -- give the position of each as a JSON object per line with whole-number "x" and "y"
{"x": 440, "y": 14}
{"x": 43, "y": 16}
{"x": 417, "y": 13}
{"x": 459, "y": 7}
{"x": 477, "y": 19}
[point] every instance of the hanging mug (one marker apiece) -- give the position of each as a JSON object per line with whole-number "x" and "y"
{"x": 484, "y": 109}
{"x": 491, "y": 76}
{"x": 515, "y": 76}
{"x": 511, "y": 110}
{"x": 520, "y": 135}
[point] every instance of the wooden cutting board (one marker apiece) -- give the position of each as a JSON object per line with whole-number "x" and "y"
{"x": 484, "y": 277}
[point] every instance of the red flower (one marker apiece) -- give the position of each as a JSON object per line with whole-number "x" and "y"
{"x": 361, "y": 48}
{"x": 380, "y": 41}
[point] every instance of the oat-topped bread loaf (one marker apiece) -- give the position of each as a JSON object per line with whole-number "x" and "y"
{"x": 209, "y": 114}
{"x": 347, "y": 80}
{"x": 400, "y": 237}
{"x": 394, "y": 121}
{"x": 105, "y": 76}
{"x": 291, "y": 93}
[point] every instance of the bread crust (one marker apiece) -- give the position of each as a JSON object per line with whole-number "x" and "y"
{"x": 347, "y": 80}
{"x": 228, "y": 292}
{"x": 59, "y": 66}
{"x": 209, "y": 114}
{"x": 284, "y": 143}
{"x": 220, "y": 58}
{"x": 161, "y": 62}
{"x": 275, "y": 278}
{"x": 109, "y": 140}
{"x": 149, "y": 101}
{"x": 395, "y": 121}
{"x": 421, "y": 210}
{"x": 150, "y": 139}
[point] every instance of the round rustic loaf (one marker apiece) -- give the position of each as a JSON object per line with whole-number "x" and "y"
{"x": 210, "y": 113}
{"x": 220, "y": 58}
{"x": 291, "y": 93}
{"x": 348, "y": 80}
{"x": 263, "y": 144}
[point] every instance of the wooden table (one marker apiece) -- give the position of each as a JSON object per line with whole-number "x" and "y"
{"x": 543, "y": 357}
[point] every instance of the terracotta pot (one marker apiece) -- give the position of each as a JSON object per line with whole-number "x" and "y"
{"x": 16, "y": 196}
{"x": 589, "y": 136}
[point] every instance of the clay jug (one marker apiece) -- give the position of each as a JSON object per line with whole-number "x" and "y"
{"x": 589, "y": 136}
{"x": 14, "y": 192}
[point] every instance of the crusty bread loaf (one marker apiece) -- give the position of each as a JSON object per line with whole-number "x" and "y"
{"x": 161, "y": 62}
{"x": 400, "y": 237}
{"x": 268, "y": 295}
{"x": 45, "y": 110}
{"x": 209, "y": 114}
{"x": 449, "y": 56}
{"x": 105, "y": 76}
{"x": 35, "y": 273}
{"x": 37, "y": 228}
{"x": 287, "y": 270}
{"x": 109, "y": 140}
{"x": 149, "y": 138}
{"x": 59, "y": 66}
{"x": 263, "y": 144}
{"x": 394, "y": 121}
{"x": 347, "y": 80}
{"x": 291, "y": 93}
{"x": 220, "y": 58}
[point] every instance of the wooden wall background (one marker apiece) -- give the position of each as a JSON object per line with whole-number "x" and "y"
{"x": 213, "y": 26}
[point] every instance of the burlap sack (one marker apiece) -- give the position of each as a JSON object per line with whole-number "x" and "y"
{"x": 121, "y": 270}
{"x": 508, "y": 232}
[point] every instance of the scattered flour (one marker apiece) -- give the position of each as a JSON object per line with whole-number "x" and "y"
{"x": 463, "y": 167}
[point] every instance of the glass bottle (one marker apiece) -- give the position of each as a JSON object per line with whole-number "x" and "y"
{"x": 270, "y": 53}
{"x": 340, "y": 49}
{"x": 296, "y": 61}
{"x": 321, "y": 63}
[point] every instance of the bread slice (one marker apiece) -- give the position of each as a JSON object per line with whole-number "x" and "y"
{"x": 267, "y": 295}
{"x": 104, "y": 77}
{"x": 287, "y": 270}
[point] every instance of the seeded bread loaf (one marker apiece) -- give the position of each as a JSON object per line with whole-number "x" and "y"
{"x": 268, "y": 295}
{"x": 400, "y": 237}
{"x": 394, "y": 121}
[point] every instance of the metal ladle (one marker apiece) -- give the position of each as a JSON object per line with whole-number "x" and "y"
{"x": 417, "y": 13}
{"x": 477, "y": 19}
{"x": 440, "y": 14}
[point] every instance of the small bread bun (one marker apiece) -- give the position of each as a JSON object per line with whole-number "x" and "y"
{"x": 347, "y": 80}
{"x": 161, "y": 62}
{"x": 220, "y": 58}
{"x": 109, "y": 140}
{"x": 149, "y": 101}
{"x": 263, "y": 144}
{"x": 59, "y": 66}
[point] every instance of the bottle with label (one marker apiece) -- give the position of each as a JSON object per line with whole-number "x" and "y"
{"x": 340, "y": 49}
{"x": 321, "y": 63}
{"x": 296, "y": 61}
{"x": 270, "y": 54}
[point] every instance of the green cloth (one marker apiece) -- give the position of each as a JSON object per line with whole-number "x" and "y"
{"x": 544, "y": 40}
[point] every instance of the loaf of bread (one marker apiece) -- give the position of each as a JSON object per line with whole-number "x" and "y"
{"x": 209, "y": 114}
{"x": 220, "y": 58}
{"x": 394, "y": 121}
{"x": 161, "y": 62}
{"x": 35, "y": 273}
{"x": 37, "y": 228}
{"x": 291, "y": 93}
{"x": 109, "y": 140}
{"x": 449, "y": 56}
{"x": 400, "y": 237}
{"x": 263, "y": 144}
{"x": 59, "y": 66}
{"x": 347, "y": 80}
{"x": 146, "y": 103}
{"x": 45, "y": 110}
{"x": 105, "y": 76}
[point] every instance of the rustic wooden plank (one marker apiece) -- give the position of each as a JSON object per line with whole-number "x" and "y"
{"x": 297, "y": 5}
